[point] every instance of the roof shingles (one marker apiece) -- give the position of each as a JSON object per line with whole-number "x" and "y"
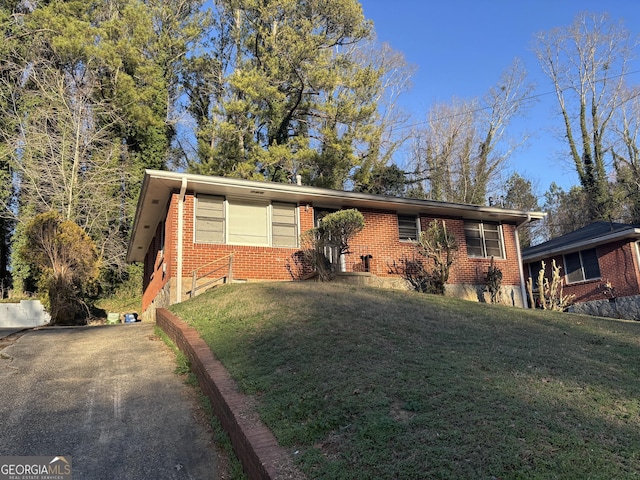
{"x": 585, "y": 237}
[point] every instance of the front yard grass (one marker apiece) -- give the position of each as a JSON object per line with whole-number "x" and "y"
{"x": 362, "y": 383}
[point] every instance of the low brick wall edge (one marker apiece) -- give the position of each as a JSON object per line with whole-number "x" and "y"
{"x": 254, "y": 444}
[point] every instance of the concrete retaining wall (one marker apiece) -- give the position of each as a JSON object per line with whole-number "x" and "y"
{"x": 27, "y": 313}
{"x": 627, "y": 308}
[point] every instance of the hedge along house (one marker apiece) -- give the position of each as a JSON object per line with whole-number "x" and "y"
{"x": 192, "y": 231}
{"x": 600, "y": 266}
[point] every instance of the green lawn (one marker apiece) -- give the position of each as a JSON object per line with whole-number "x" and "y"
{"x": 363, "y": 383}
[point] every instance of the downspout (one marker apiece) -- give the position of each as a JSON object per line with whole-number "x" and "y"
{"x": 523, "y": 288}
{"x": 183, "y": 190}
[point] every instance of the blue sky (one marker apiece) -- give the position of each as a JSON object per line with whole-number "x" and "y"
{"x": 461, "y": 47}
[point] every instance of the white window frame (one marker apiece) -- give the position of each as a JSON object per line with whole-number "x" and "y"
{"x": 222, "y": 219}
{"x": 582, "y": 269}
{"x": 295, "y": 224}
{"x": 228, "y": 225}
{"x": 234, "y": 229}
{"x": 534, "y": 276}
{"x": 416, "y": 219}
{"x": 483, "y": 242}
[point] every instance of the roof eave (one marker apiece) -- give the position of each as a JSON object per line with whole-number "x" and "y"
{"x": 582, "y": 245}
{"x": 160, "y": 184}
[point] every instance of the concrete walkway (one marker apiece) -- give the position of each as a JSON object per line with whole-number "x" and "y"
{"x": 107, "y": 397}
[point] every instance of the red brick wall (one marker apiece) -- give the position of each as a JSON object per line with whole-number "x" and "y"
{"x": 380, "y": 236}
{"x": 379, "y": 239}
{"x": 171, "y": 234}
{"x": 154, "y": 276}
{"x": 618, "y": 264}
{"x": 249, "y": 262}
{"x": 472, "y": 270}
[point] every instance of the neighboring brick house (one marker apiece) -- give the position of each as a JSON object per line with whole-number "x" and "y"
{"x": 600, "y": 265}
{"x": 184, "y": 222}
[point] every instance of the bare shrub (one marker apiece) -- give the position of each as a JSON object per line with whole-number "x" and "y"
{"x": 550, "y": 293}
{"x": 435, "y": 245}
{"x": 493, "y": 281}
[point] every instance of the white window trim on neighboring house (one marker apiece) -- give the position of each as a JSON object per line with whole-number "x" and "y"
{"x": 482, "y": 237}
{"x": 263, "y": 222}
{"x": 534, "y": 275}
{"x": 582, "y": 271}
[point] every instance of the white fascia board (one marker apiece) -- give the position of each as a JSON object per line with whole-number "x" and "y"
{"x": 584, "y": 244}
{"x": 319, "y": 196}
{"x": 158, "y": 185}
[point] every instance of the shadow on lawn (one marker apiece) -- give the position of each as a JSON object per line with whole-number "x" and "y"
{"x": 452, "y": 387}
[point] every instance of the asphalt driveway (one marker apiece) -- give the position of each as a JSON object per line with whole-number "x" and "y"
{"x": 106, "y": 396}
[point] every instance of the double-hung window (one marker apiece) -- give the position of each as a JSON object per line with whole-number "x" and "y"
{"x": 210, "y": 217}
{"x": 284, "y": 225}
{"x": 581, "y": 266}
{"x": 484, "y": 239}
{"x": 245, "y": 222}
{"x": 408, "y": 227}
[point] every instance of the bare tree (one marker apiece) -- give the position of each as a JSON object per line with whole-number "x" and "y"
{"x": 464, "y": 146}
{"x": 587, "y": 63}
{"x": 387, "y": 134}
{"x": 626, "y": 155}
{"x": 441, "y": 151}
{"x": 64, "y": 155}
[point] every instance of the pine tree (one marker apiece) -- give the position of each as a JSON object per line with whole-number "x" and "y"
{"x": 93, "y": 91}
{"x": 286, "y": 91}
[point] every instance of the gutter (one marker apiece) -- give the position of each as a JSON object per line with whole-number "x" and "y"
{"x": 523, "y": 288}
{"x": 581, "y": 245}
{"x": 183, "y": 190}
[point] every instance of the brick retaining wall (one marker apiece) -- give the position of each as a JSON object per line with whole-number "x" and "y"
{"x": 254, "y": 444}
